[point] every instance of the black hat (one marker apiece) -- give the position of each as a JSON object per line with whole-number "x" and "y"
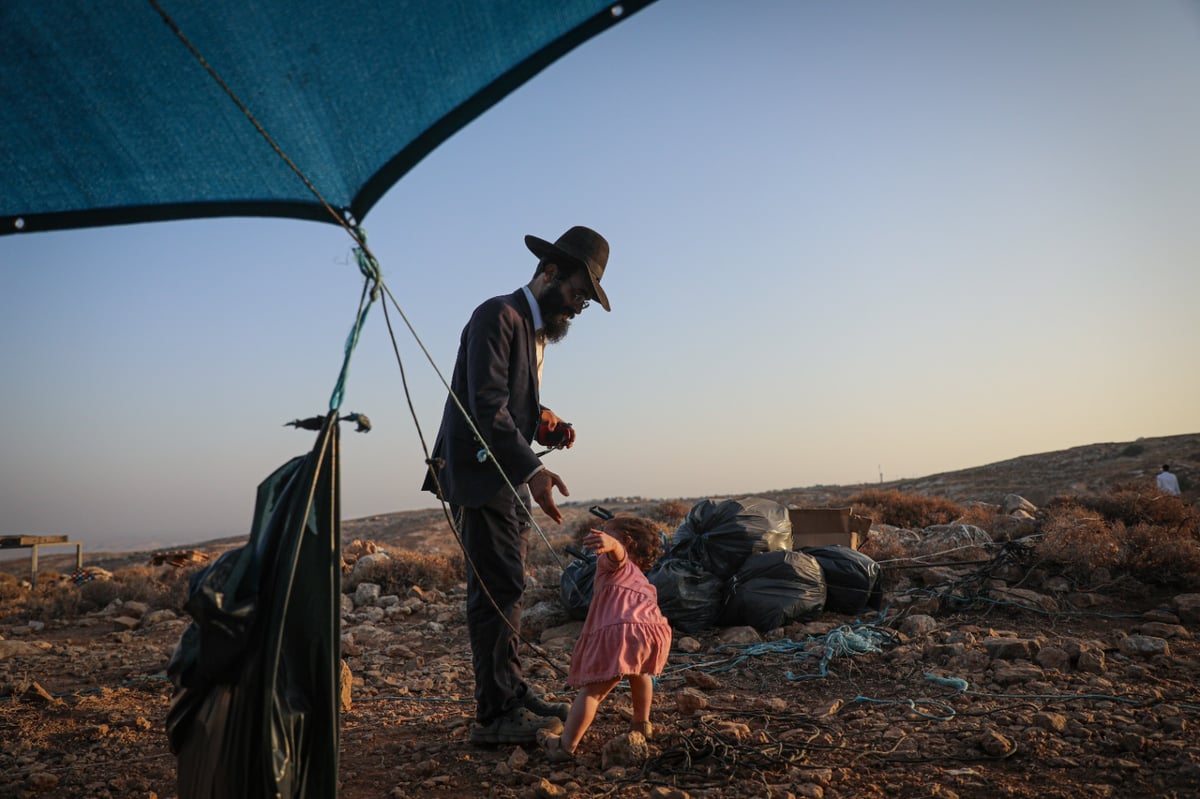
{"x": 579, "y": 245}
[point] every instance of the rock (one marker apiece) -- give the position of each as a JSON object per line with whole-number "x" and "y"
{"x": 995, "y": 744}
{"x": 629, "y": 749}
{"x": 689, "y": 701}
{"x": 366, "y": 594}
{"x": 1016, "y": 502}
{"x": 1016, "y": 673}
{"x": 548, "y": 790}
{"x": 1144, "y": 646}
{"x": 1053, "y": 657}
{"x": 41, "y": 782}
{"x": 1052, "y": 722}
{"x": 126, "y": 622}
{"x": 137, "y": 609}
{"x": 570, "y": 630}
{"x": 701, "y": 679}
{"x": 1159, "y": 629}
{"x": 1187, "y": 608}
{"x": 156, "y": 617}
{"x": 518, "y": 759}
{"x": 1025, "y": 598}
{"x": 739, "y": 635}
{"x": 917, "y": 625}
{"x": 1010, "y": 648}
{"x": 689, "y": 645}
{"x": 10, "y": 649}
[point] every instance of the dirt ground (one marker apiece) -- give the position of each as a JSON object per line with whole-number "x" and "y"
{"x": 85, "y": 700}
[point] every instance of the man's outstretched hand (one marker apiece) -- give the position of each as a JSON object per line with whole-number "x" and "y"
{"x": 542, "y": 486}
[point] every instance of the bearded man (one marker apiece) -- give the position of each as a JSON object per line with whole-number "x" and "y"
{"x": 496, "y": 377}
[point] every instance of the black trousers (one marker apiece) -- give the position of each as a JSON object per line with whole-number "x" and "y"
{"x": 496, "y": 538}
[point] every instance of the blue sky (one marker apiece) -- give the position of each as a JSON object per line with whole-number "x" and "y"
{"x": 847, "y": 238}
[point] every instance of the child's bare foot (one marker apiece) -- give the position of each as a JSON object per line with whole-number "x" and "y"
{"x": 556, "y": 752}
{"x": 644, "y": 727}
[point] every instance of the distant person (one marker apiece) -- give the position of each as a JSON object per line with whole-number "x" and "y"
{"x": 496, "y": 378}
{"x": 625, "y": 635}
{"x": 1167, "y": 482}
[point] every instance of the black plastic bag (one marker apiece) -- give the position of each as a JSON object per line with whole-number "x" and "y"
{"x": 774, "y": 588}
{"x": 719, "y": 536}
{"x": 688, "y": 596}
{"x": 255, "y": 709}
{"x": 852, "y": 579}
{"x": 578, "y": 582}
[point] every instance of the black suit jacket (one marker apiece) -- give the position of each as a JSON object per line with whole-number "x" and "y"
{"x": 495, "y": 378}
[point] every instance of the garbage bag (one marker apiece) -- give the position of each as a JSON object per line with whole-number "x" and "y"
{"x": 774, "y": 588}
{"x": 852, "y": 579}
{"x": 577, "y": 584}
{"x": 719, "y": 536}
{"x": 255, "y": 708}
{"x": 688, "y": 596}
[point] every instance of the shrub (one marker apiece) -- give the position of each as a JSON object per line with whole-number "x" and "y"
{"x": 1079, "y": 541}
{"x": 1133, "y": 504}
{"x": 406, "y": 568}
{"x": 911, "y": 511}
{"x": 1154, "y": 554}
{"x": 670, "y": 513}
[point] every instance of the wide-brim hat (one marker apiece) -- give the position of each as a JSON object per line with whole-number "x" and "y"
{"x": 580, "y": 245}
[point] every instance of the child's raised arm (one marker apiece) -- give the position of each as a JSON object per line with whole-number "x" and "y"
{"x": 600, "y": 542}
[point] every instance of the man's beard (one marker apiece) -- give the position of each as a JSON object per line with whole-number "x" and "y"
{"x": 556, "y": 316}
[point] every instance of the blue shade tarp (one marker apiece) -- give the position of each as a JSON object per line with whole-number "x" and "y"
{"x": 255, "y": 709}
{"x": 107, "y": 117}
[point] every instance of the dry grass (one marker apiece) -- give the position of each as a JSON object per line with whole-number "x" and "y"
{"x": 406, "y": 568}
{"x": 911, "y": 511}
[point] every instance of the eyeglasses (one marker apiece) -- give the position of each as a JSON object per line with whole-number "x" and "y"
{"x": 580, "y": 297}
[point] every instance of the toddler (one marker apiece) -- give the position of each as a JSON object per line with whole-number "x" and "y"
{"x": 624, "y": 635}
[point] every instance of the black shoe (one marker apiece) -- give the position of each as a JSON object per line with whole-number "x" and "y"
{"x": 540, "y": 707}
{"x": 517, "y": 726}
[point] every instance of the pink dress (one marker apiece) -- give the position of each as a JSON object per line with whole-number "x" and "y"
{"x": 625, "y": 633}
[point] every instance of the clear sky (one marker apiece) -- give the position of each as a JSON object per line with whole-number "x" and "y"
{"x": 848, "y": 238}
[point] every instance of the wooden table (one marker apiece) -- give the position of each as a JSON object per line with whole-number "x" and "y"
{"x": 32, "y": 542}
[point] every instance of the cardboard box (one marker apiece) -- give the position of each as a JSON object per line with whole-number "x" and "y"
{"x": 802, "y": 540}
{"x": 819, "y": 527}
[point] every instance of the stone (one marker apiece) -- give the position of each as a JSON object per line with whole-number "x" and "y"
{"x": 689, "y": 645}
{"x": 1010, "y": 648}
{"x": 739, "y": 635}
{"x": 1053, "y": 657}
{"x": 1187, "y": 608}
{"x": 689, "y": 701}
{"x": 1052, "y": 722}
{"x": 918, "y": 624}
{"x": 1160, "y": 629}
{"x": 366, "y": 594}
{"x": 628, "y": 749}
{"x": 701, "y": 679}
{"x": 995, "y": 744}
{"x": 1015, "y": 502}
{"x": 1144, "y": 646}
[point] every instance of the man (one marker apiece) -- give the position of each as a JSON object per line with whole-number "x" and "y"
{"x": 1167, "y": 482}
{"x": 496, "y": 377}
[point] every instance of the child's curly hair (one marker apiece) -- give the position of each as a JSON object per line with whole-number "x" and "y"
{"x": 642, "y": 539}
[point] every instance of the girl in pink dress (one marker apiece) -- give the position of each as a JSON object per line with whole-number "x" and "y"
{"x": 624, "y": 635}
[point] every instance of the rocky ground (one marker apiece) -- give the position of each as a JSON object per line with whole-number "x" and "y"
{"x": 1057, "y": 690}
{"x": 979, "y": 680}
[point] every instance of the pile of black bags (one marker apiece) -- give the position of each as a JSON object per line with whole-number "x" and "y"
{"x": 732, "y": 563}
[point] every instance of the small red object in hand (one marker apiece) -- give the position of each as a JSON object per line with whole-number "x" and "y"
{"x": 563, "y": 435}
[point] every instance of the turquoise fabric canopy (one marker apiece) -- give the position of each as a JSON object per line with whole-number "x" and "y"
{"x": 108, "y": 115}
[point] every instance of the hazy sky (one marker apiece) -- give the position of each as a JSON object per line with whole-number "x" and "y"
{"x": 847, "y": 237}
